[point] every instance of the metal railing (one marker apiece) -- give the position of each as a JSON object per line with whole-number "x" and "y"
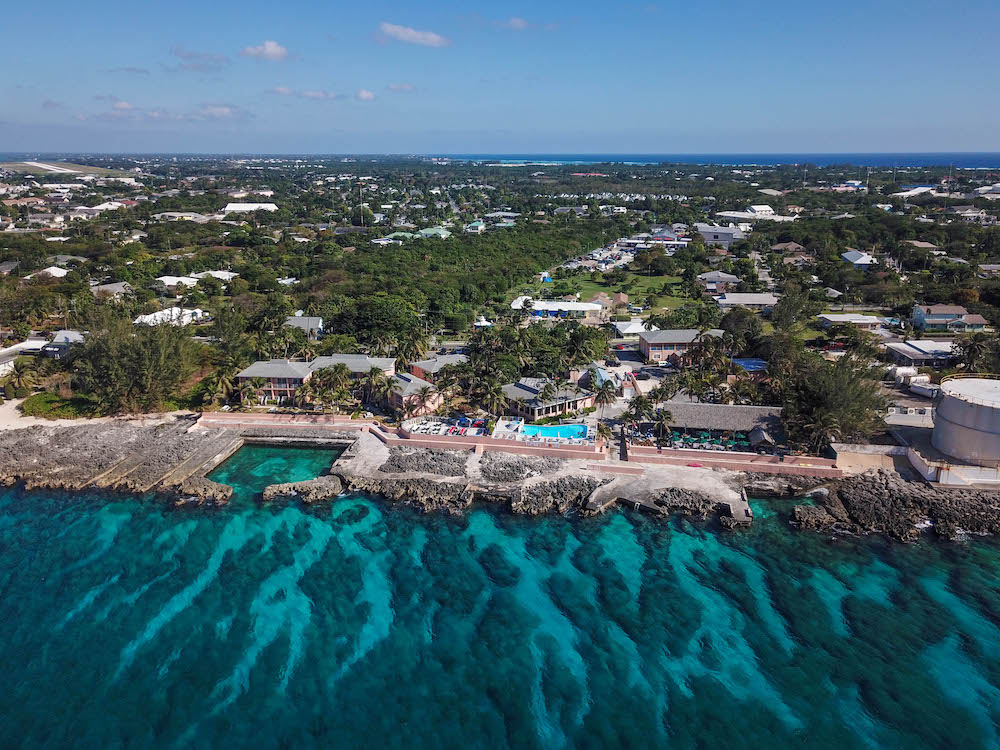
{"x": 966, "y": 397}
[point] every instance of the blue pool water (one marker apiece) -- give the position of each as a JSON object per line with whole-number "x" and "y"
{"x": 555, "y": 430}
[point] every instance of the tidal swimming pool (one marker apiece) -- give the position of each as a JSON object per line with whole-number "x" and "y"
{"x": 254, "y": 467}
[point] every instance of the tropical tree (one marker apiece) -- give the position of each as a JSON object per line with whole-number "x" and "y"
{"x": 605, "y": 394}
{"x": 22, "y": 376}
{"x": 973, "y": 349}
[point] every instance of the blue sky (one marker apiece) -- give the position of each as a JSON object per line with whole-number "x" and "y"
{"x": 543, "y": 77}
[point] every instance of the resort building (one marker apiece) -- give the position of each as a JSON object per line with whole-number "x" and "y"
{"x": 283, "y": 376}
{"x": 414, "y": 395}
{"x": 671, "y": 345}
{"x": 555, "y": 308}
{"x": 533, "y": 400}
{"x": 427, "y": 369}
{"x": 946, "y": 318}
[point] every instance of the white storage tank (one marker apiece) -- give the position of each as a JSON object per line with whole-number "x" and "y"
{"x": 967, "y": 419}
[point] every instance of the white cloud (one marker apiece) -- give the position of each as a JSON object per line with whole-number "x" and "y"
{"x": 320, "y": 94}
{"x": 219, "y": 112}
{"x": 412, "y": 36}
{"x": 365, "y": 95}
{"x": 516, "y": 24}
{"x": 121, "y": 106}
{"x": 400, "y": 88}
{"x": 269, "y": 50}
{"x": 282, "y": 91}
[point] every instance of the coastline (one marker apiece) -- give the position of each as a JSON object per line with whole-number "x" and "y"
{"x": 171, "y": 456}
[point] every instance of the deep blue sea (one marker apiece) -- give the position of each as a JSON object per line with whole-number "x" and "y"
{"x": 125, "y": 624}
{"x": 960, "y": 160}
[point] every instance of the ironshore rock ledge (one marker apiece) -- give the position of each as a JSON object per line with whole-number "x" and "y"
{"x": 882, "y": 502}
{"x": 171, "y": 459}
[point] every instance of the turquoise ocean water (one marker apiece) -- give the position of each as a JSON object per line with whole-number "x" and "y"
{"x": 125, "y": 624}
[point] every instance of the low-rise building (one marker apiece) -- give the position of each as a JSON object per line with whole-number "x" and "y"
{"x": 672, "y": 345}
{"x": 532, "y": 399}
{"x": 554, "y": 308}
{"x": 724, "y": 236}
{"x": 312, "y": 325}
{"x": 427, "y": 369}
{"x": 630, "y": 330}
{"x": 860, "y": 260}
{"x": 283, "y": 376}
{"x": 946, "y": 318}
{"x": 922, "y": 353}
{"x": 750, "y": 300}
{"x": 862, "y": 322}
{"x": 246, "y": 208}
{"x": 175, "y": 316}
{"x": 414, "y": 395}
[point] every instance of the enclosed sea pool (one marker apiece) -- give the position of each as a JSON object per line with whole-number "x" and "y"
{"x": 572, "y": 431}
{"x": 253, "y": 467}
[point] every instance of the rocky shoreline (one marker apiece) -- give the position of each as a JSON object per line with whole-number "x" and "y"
{"x": 881, "y": 502}
{"x": 170, "y": 460}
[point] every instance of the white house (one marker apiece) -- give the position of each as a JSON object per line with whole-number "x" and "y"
{"x": 750, "y": 300}
{"x": 246, "y": 208}
{"x": 175, "y": 316}
{"x": 860, "y": 260}
{"x": 54, "y": 272}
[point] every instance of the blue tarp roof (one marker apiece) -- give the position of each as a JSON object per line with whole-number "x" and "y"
{"x": 751, "y": 364}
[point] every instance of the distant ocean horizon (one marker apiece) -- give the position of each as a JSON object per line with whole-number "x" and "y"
{"x": 957, "y": 159}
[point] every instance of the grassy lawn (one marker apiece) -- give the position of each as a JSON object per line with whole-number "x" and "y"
{"x": 49, "y": 405}
{"x": 807, "y": 333}
{"x": 20, "y": 166}
{"x": 637, "y": 287}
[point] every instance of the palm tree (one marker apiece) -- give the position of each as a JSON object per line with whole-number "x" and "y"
{"x": 664, "y": 419}
{"x": 424, "y": 394}
{"x": 823, "y": 430}
{"x": 604, "y": 395}
{"x": 22, "y": 376}
{"x": 604, "y": 432}
{"x": 493, "y": 398}
{"x": 306, "y": 351}
{"x": 375, "y": 385}
{"x": 640, "y": 408}
{"x": 972, "y": 349}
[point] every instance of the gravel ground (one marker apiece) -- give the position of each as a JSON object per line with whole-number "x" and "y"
{"x": 510, "y": 467}
{"x": 444, "y": 463}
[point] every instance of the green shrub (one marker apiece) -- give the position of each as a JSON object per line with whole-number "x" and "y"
{"x": 8, "y": 391}
{"x": 22, "y": 393}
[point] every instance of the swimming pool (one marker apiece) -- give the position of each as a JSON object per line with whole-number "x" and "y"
{"x": 555, "y": 430}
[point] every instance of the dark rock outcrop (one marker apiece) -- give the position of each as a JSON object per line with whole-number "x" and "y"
{"x": 512, "y": 467}
{"x": 404, "y": 459}
{"x": 883, "y": 503}
{"x": 310, "y": 491}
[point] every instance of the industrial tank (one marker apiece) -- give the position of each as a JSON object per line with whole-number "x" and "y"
{"x": 967, "y": 419}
